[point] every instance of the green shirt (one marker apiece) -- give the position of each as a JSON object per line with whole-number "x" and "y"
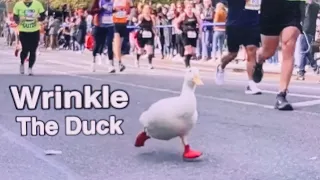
{"x": 28, "y": 15}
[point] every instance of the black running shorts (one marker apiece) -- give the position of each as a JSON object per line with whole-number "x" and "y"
{"x": 237, "y": 36}
{"x": 190, "y": 37}
{"x": 121, "y": 28}
{"x": 142, "y": 41}
{"x": 275, "y": 15}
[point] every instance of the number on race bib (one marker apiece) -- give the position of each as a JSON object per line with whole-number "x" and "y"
{"x": 106, "y": 19}
{"x": 191, "y": 34}
{"x": 253, "y": 5}
{"x": 146, "y": 34}
{"x": 121, "y": 14}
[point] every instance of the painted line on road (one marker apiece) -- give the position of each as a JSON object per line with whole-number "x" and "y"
{"x": 38, "y": 153}
{"x": 166, "y": 90}
{"x": 207, "y": 77}
{"x": 307, "y": 103}
{"x": 177, "y": 92}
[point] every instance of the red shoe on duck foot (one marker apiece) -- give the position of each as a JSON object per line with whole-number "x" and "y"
{"x": 141, "y": 139}
{"x": 190, "y": 154}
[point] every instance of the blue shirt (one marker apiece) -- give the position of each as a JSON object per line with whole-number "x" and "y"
{"x": 239, "y": 16}
{"x": 105, "y": 16}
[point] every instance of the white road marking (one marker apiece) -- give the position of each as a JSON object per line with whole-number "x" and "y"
{"x": 177, "y": 92}
{"x": 307, "y": 103}
{"x": 179, "y": 74}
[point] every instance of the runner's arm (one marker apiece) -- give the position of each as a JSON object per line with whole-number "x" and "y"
{"x": 42, "y": 13}
{"x": 178, "y": 21}
{"x": 154, "y": 24}
{"x": 16, "y": 17}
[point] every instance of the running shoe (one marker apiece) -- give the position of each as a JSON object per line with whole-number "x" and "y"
{"x": 21, "y": 69}
{"x": 150, "y": 66}
{"x": 112, "y": 69}
{"x": 93, "y": 66}
{"x": 137, "y": 64}
{"x": 258, "y": 73}
{"x": 121, "y": 67}
{"x": 219, "y": 75}
{"x": 282, "y": 103}
{"x": 30, "y": 73}
{"x": 252, "y": 89}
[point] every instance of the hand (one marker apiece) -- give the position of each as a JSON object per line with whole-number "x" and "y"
{"x": 178, "y": 31}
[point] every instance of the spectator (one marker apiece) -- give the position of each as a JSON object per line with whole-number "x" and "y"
{"x": 219, "y": 35}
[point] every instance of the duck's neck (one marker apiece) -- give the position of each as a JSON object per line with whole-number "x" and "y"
{"x": 188, "y": 89}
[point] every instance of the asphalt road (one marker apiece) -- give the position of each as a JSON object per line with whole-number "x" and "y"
{"x": 242, "y": 136}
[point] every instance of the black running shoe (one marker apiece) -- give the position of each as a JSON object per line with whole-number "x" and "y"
{"x": 258, "y": 73}
{"x": 121, "y": 67}
{"x": 282, "y": 104}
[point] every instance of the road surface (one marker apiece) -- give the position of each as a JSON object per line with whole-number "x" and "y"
{"x": 242, "y": 136}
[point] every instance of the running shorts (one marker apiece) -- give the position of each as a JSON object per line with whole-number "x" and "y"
{"x": 189, "y": 38}
{"x": 237, "y": 36}
{"x": 121, "y": 28}
{"x": 145, "y": 40}
{"x": 275, "y": 15}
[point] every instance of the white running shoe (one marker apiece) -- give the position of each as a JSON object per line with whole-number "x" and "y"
{"x": 219, "y": 75}
{"x": 30, "y": 73}
{"x": 99, "y": 60}
{"x": 252, "y": 89}
{"x": 93, "y": 66}
{"x": 112, "y": 69}
{"x": 21, "y": 69}
{"x": 137, "y": 64}
{"x": 150, "y": 66}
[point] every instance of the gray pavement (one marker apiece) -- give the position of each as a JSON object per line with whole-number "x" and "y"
{"x": 242, "y": 137}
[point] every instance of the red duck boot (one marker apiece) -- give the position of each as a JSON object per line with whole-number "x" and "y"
{"x": 141, "y": 139}
{"x": 190, "y": 154}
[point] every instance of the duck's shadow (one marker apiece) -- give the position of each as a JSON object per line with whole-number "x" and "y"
{"x": 166, "y": 156}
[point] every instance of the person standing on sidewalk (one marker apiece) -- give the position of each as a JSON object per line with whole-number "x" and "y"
{"x": 279, "y": 17}
{"x": 303, "y": 52}
{"x": 207, "y": 16}
{"x": 242, "y": 28}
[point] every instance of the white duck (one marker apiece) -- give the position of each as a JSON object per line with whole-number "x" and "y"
{"x": 173, "y": 117}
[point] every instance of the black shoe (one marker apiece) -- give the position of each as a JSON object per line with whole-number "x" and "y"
{"x": 121, "y": 67}
{"x": 282, "y": 104}
{"x": 301, "y": 75}
{"x": 258, "y": 73}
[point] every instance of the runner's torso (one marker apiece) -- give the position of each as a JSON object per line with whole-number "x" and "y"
{"x": 146, "y": 24}
{"x": 122, "y": 10}
{"x": 31, "y": 13}
{"x": 189, "y": 23}
{"x": 105, "y": 17}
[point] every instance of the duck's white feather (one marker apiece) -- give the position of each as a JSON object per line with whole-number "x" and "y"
{"x": 171, "y": 117}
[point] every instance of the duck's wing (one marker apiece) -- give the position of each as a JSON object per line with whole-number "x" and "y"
{"x": 158, "y": 109}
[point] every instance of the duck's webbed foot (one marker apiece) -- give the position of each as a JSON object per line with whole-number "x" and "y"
{"x": 141, "y": 139}
{"x": 188, "y": 152}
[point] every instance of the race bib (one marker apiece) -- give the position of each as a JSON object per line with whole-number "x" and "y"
{"x": 146, "y": 34}
{"x": 191, "y": 34}
{"x": 106, "y": 19}
{"x": 253, "y": 5}
{"x": 30, "y": 14}
{"x": 121, "y": 14}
